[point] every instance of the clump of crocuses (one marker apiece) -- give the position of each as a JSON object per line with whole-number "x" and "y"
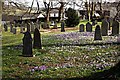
{"x": 39, "y": 68}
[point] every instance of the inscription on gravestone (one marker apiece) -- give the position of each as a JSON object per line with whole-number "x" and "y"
{"x": 27, "y": 45}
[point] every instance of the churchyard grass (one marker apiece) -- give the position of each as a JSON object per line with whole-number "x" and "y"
{"x": 56, "y": 60}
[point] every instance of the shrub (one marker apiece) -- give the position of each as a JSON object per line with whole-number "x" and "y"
{"x": 72, "y": 18}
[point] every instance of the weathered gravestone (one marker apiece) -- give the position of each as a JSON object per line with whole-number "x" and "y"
{"x": 21, "y": 29}
{"x": 81, "y": 28}
{"x": 27, "y": 45}
{"x": 5, "y": 27}
{"x": 14, "y": 30}
{"x": 28, "y": 27}
{"x": 94, "y": 22}
{"x": 11, "y": 27}
{"x": 104, "y": 28}
{"x": 37, "y": 39}
{"x": 55, "y": 25}
{"x": 88, "y": 27}
{"x": 97, "y": 35}
{"x": 115, "y": 27}
{"x": 45, "y": 25}
{"x": 62, "y": 27}
{"x": 32, "y": 27}
{"x": 110, "y": 23}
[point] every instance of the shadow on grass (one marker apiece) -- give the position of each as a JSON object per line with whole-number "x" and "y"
{"x": 111, "y": 74}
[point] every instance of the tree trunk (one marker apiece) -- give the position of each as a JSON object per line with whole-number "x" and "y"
{"x": 61, "y": 11}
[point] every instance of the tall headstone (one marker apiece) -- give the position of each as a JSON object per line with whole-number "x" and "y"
{"x": 88, "y": 27}
{"x": 27, "y": 45}
{"x": 115, "y": 27}
{"x": 14, "y": 30}
{"x": 37, "y": 39}
{"x": 28, "y": 27}
{"x": 5, "y": 27}
{"x": 104, "y": 27}
{"x": 97, "y": 35}
{"x": 62, "y": 27}
{"x": 32, "y": 27}
{"x": 11, "y": 27}
{"x": 81, "y": 28}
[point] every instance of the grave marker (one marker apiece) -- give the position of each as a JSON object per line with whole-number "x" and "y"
{"x": 115, "y": 27}
{"x": 37, "y": 39}
{"x": 14, "y": 30}
{"x": 88, "y": 27}
{"x": 62, "y": 27}
{"x": 97, "y": 35}
{"x": 81, "y": 28}
{"x": 27, "y": 45}
{"x": 104, "y": 28}
{"x": 11, "y": 27}
{"x": 5, "y": 27}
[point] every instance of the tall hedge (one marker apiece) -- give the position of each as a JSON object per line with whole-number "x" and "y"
{"x": 72, "y": 18}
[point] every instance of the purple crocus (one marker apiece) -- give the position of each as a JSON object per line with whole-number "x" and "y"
{"x": 43, "y": 67}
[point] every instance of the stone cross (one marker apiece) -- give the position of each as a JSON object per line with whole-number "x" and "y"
{"x": 37, "y": 39}
{"x": 88, "y": 27}
{"x": 104, "y": 27}
{"x": 81, "y": 28}
{"x": 27, "y": 45}
{"x": 97, "y": 35}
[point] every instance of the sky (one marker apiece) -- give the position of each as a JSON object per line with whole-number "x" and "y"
{"x": 42, "y": 5}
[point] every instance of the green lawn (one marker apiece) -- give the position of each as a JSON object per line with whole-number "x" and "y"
{"x": 59, "y": 61}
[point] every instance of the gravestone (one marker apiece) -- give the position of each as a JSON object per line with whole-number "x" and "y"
{"x": 81, "y": 28}
{"x": 45, "y": 25}
{"x": 97, "y": 35}
{"x": 104, "y": 28}
{"x": 62, "y": 27}
{"x": 93, "y": 23}
{"x": 110, "y": 23}
{"x": 37, "y": 39}
{"x": 14, "y": 30}
{"x": 27, "y": 45}
{"x": 32, "y": 27}
{"x": 28, "y": 27}
{"x": 88, "y": 27}
{"x": 21, "y": 29}
{"x": 115, "y": 27}
{"x": 5, "y": 27}
{"x": 11, "y": 27}
{"x": 55, "y": 25}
